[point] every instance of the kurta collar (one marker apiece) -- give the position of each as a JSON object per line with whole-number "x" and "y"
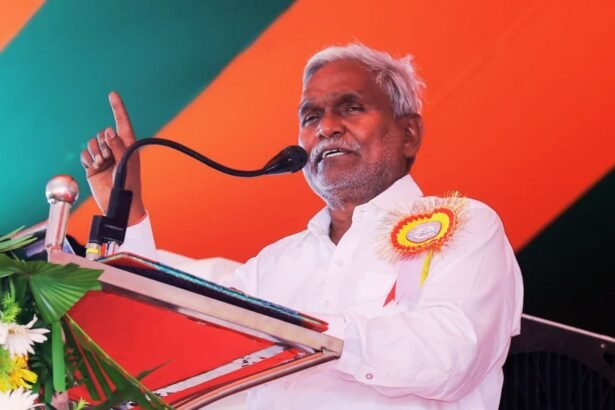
{"x": 403, "y": 191}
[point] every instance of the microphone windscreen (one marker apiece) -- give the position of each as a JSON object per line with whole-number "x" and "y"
{"x": 298, "y": 157}
{"x": 290, "y": 159}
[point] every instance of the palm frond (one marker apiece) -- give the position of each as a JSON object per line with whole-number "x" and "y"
{"x": 7, "y": 244}
{"x": 127, "y": 387}
{"x": 50, "y": 290}
{"x": 56, "y": 288}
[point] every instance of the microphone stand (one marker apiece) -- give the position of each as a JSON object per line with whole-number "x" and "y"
{"x": 110, "y": 230}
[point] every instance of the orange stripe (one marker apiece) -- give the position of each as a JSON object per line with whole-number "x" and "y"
{"x": 514, "y": 116}
{"x": 15, "y": 15}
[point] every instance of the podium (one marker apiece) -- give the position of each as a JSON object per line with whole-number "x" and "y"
{"x": 208, "y": 341}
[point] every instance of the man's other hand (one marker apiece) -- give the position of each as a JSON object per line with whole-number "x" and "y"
{"x": 102, "y": 156}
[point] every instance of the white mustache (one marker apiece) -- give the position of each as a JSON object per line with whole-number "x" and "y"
{"x": 328, "y": 144}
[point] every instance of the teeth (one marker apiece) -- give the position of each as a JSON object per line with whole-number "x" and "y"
{"x": 332, "y": 153}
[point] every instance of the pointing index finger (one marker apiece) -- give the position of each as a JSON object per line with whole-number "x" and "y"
{"x": 122, "y": 120}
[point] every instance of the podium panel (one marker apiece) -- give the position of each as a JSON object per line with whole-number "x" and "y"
{"x": 210, "y": 341}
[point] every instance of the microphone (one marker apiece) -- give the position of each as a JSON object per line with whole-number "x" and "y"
{"x": 111, "y": 229}
{"x": 290, "y": 159}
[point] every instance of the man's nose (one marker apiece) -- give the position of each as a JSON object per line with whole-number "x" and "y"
{"x": 330, "y": 125}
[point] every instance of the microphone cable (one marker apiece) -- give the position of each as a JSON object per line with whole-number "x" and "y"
{"x": 111, "y": 228}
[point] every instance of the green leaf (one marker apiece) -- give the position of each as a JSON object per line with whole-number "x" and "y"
{"x": 97, "y": 373}
{"x": 58, "y": 365}
{"x": 20, "y": 283}
{"x": 36, "y": 387}
{"x": 48, "y": 390}
{"x": 127, "y": 387}
{"x": 50, "y": 291}
{"x": 11, "y": 234}
{"x": 115, "y": 375}
{"x": 40, "y": 363}
{"x": 7, "y": 244}
{"x": 6, "y": 263}
{"x": 77, "y": 361}
{"x": 14, "y": 266}
{"x": 10, "y": 309}
{"x": 56, "y": 288}
{"x": 12, "y": 244}
{"x": 147, "y": 372}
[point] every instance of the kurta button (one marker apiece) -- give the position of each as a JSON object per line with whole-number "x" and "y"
{"x": 369, "y": 376}
{"x": 339, "y": 262}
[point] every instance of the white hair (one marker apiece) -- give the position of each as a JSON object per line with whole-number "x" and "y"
{"x": 397, "y": 78}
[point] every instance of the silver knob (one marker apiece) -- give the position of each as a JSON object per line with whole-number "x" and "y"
{"x": 62, "y": 188}
{"x": 62, "y": 191}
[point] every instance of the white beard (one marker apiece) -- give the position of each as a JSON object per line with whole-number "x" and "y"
{"x": 357, "y": 187}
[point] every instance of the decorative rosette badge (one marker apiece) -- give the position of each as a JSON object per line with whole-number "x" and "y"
{"x": 426, "y": 229}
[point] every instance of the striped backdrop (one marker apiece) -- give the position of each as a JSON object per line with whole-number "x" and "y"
{"x": 519, "y": 113}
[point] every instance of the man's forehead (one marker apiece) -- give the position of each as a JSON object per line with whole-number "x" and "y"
{"x": 337, "y": 79}
{"x": 343, "y": 73}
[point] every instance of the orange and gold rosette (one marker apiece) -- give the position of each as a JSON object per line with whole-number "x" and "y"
{"x": 415, "y": 234}
{"x": 426, "y": 229}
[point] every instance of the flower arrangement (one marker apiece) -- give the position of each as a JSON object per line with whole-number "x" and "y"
{"x": 43, "y": 351}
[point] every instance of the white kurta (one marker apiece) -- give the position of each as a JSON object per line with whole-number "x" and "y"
{"x": 438, "y": 346}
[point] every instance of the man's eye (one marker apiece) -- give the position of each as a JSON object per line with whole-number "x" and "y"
{"x": 309, "y": 119}
{"x": 352, "y": 108}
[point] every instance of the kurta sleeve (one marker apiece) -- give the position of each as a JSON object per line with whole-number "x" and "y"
{"x": 244, "y": 278}
{"x": 140, "y": 239}
{"x": 460, "y": 329}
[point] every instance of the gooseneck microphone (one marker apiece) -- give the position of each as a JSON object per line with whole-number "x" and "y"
{"x": 110, "y": 230}
{"x": 290, "y": 159}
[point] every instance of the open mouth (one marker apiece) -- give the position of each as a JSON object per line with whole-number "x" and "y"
{"x": 330, "y": 153}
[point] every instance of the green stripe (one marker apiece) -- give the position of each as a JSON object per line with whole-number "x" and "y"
{"x": 568, "y": 269}
{"x": 55, "y": 75}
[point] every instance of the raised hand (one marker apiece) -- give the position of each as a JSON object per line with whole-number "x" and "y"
{"x": 101, "y": 157}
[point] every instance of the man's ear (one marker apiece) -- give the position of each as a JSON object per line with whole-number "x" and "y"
{"x": 413, "y": 134}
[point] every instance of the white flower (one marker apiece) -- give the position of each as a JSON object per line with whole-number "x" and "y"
{"x": 4, "y": 331}
{"x": 19, "y": 399}
{"x": 20, "y": 338}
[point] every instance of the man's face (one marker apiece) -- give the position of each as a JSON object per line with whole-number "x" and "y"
{"x": 356, "y": 146}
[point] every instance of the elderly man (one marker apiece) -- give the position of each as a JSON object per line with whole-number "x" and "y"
{"x": 425, "y": 291}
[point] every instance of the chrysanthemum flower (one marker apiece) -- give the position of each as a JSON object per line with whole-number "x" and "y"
{"x": 21, "y": 376}
{"x": 20, "y": 338}
{"x": 17, "y": 400}
{"x": 14, "y": 373}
